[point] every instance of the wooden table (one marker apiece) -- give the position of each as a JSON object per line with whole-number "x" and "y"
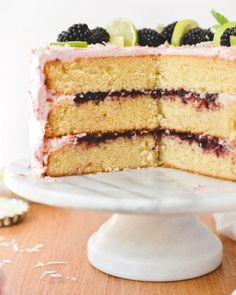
{"x": 64, "y": 234}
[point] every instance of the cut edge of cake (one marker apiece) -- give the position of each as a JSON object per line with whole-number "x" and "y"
{"x": 48, "y": 156}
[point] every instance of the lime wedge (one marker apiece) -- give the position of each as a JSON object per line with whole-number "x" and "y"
{"x": 81, "y": 44}
{"x": 118, "y": 41}
{"x": 122, "y": 27}
{"x": 221, "y": 19}
{"x": 232, "y": 40}
{"x": 219, "y": 32}
{"x": 181, "y": 28}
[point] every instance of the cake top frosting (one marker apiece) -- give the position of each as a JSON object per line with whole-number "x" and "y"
{"x": 98, "y": 50}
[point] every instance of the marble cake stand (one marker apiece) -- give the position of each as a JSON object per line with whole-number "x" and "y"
{"x": 154, "y": 235}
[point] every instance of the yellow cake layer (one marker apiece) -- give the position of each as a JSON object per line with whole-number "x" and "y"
{"x": 141, "y": 113}
{"x": 117, "y": 114}
{"x": 116, "y": 154}
{"x": 176, "y": 153}
{"x": 101, "y": 74}
{"x": 201, "y": 74}
{"x": 219, "y": 122}
{"x": 139, "y": 151}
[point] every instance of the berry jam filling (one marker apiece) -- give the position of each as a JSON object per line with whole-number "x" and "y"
{"x": 209, "y": 101}
{"x": 98, "y": 138}
{"x": 206, "y": 142}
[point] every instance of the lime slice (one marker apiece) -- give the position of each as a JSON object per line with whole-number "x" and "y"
{"x": 221, "y": 19}
{"x": 81, "y": 44}
{"x": 159, "y": 28}
{"x": 118, "y": 41}
{"x": 219, "y": 32}
{"x": 181, "y": 28}
{"x": 214, "y": 28}
{"x": 232, "y": 40}
{"x": 122, "y": 27}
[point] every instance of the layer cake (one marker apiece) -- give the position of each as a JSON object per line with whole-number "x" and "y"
{"x": 106, "y": 108}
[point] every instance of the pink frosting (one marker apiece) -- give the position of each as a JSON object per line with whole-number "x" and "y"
{"x": 70, "y": 53}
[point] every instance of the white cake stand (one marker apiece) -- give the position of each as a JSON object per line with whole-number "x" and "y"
{"x": 154, "y": 237}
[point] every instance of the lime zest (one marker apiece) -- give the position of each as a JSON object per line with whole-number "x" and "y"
{"x": 81, "y": 44}
{"x": 118, "y": 41}
{"x": 220, "y": 18}
{"x": 232, "y": 40}
{"x": 122, "y": 27}
{"x": 219, "y": 32}
{"x": 181, "y": 28}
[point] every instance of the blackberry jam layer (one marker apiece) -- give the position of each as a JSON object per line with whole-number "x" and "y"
{"x": 206, "y": 142}
{"x": 209, "y": 101}
{"x": 97, "y": 139}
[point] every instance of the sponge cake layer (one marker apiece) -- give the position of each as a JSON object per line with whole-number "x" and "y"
{"x": 113, "y": 114}
{"x": 122, "y": 152}
{"x": 193, "y": 73}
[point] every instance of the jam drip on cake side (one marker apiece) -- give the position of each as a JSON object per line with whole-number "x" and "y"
{"x": 208, "y": 101}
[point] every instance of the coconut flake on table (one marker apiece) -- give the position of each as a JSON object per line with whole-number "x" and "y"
{"x": 35, "y": 248}
{"x": 7, "y": 244}
{"x": 56, "y": 262}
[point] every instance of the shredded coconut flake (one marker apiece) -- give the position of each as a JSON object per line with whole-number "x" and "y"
{"x": 48, "y": 272}
{"x": 5, "y": 244}
{"x": 15, "y": 247}
{"x": 74, "y": 279}
{"x": 55, "y": 262}
{"x": 7, "y": 261}
{"x": 35, "y": 248}
{"x": 39, "y": 264}
{"x": 55, "y": 275}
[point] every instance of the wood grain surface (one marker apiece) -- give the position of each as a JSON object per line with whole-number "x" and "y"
{"x": 64, "y": 234}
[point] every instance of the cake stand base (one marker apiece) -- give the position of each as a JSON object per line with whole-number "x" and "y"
{"x": 154, "y": 248}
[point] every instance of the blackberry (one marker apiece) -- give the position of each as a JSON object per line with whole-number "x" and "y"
{"x": 99, "y": 35}
{"x": 197, "y": 35}
{"x": 77, "y": 32}
{"x": 149, "y": 37}
{"x": 168, "y": 32}
{"x": 225, "y": 38}
{"x": 63, "y": 36}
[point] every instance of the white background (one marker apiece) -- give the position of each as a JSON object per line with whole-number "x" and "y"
{"x": 27, "y": 24}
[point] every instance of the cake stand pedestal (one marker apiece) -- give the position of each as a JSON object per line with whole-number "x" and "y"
{"x": 155, "y": 236}
{"x": 154, "y": 248}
